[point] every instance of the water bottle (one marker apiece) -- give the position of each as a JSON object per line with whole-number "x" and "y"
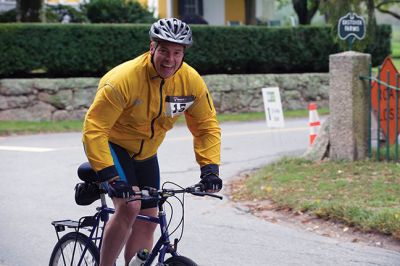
{"x": 140, "y": 258}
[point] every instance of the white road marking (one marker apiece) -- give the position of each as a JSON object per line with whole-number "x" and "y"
{"x": 24, "y": 149}
{"x": 244, "y": 133}
{"x": 187, "y": 137}
{"x": 265, "y": 131}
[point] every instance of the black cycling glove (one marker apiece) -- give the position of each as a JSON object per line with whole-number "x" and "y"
{"x": 120, "y": 189}
{"x": 209, "y": 177}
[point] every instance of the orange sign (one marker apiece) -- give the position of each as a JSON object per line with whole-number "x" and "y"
{"x": 387, "y": 99}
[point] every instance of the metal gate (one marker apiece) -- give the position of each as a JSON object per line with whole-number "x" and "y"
{"x": 383, "y": 122}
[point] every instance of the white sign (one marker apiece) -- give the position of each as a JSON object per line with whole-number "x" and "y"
{"x": 273, "y": 107}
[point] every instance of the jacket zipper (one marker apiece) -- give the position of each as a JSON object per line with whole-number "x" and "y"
{"x": 153, "y": 120}
{"x": 159, "y": 112}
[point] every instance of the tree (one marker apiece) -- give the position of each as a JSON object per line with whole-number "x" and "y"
{"x": 305, "y": 10}
{"x": 335, "y": 9}
{"x": 383, "y": 6}
{"x": 117, "y": 11}
{"x": 29, "y": 10}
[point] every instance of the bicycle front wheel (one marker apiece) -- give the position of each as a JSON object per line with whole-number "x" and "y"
{"x": 72, "y": 248}
{"x": 179, "y": 261}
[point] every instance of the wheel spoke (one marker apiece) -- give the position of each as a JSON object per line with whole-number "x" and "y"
{"x": 69, "y": 251}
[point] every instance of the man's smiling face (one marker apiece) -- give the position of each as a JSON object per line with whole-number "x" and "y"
{"x": 167, "y": 57}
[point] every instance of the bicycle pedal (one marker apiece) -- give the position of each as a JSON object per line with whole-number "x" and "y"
{"x": 176, "y": 241}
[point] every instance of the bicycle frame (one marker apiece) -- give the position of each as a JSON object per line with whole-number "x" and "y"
{"x": 163, "y": 244}
{"x": 93, "y": 224}
{"x": 93, "y": 240}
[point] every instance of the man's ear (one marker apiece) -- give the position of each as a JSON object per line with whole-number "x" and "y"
{"x": 153, "y": 46}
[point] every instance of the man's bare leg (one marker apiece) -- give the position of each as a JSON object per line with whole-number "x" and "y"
{"x": 142, "y": 235}
{"x": 117, "y": 230}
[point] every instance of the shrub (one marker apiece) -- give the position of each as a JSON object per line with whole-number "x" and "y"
{"x": 62, "y": 50}
{"x": 9, "y": 16}
{"x": 117, "y": 11}
{"x": 56, "y": 14}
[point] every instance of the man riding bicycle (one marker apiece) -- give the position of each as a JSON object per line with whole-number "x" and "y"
{"x": 137, "y": 102}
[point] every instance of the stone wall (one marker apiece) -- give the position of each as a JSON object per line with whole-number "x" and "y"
{"x": 242, "y": 93}
{"x": 66, "y": 99}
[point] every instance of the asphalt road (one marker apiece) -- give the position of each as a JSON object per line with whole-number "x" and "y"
{"x": 38, "y": 174}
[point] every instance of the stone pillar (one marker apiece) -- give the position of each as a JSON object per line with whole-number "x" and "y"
{"x": 348, "y": 106}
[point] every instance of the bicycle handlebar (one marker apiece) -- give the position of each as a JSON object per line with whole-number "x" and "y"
{"x": 198, "y": 190}
{"x": 152, "y": 193}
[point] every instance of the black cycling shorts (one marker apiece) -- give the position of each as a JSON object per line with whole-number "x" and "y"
{"x": 137, "y": 173}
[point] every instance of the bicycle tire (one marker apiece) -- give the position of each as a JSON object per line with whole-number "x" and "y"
{"x": 179, "y": 261}
{"x": 71, "y": 243}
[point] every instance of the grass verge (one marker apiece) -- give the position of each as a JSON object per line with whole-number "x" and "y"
{"x": 32, "y": 127}
{"x": 364, "y": 194}
{"x": 396, "y": 50}
{"x": 395, "y": 42}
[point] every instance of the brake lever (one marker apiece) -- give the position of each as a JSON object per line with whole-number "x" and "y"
{"x": 132, "y": 199}
{"x": 202, "y": 194}
{"x": 215, "y": 196}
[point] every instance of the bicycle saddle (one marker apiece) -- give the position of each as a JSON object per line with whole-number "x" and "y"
{"x": 86, "y": 173}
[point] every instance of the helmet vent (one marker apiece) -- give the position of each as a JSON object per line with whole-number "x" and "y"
{"x": 171, "y": 30}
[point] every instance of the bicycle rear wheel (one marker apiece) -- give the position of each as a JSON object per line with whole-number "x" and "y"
{"x": 179, "y": 261}
{"x": 69, "y": 250}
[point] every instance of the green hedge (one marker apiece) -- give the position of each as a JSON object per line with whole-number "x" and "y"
{"x": 62, "y": 50}
{"x": 262, "y": 49}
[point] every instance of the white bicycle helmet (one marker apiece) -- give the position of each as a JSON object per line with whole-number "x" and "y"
{"x": 171, "y": 30}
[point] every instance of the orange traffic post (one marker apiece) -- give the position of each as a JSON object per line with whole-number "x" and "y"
{"x": 314, "y": 122}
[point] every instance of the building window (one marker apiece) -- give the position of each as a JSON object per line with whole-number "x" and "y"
{"x": 191, "y": 11}
{"x": 191, "y": 7}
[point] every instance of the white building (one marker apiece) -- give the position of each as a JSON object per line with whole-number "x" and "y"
{"x": 10, "y": 4}
{"x": 6, "y": 5}
{"x": 215, "y": 12}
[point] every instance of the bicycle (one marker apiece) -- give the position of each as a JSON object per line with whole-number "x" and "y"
{"x": 78, "y": 248}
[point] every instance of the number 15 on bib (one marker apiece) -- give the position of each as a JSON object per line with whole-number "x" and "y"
{"x": 176, "y": 105}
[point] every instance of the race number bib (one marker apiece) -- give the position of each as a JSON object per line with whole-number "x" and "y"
{"x": 176, "y": 105}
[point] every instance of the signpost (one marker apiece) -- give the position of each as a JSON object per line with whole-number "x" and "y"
{"x": 273, "y": 107}
{"x": 351, "y": 26}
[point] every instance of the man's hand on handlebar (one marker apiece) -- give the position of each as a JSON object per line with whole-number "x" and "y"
{"x": 210, "y": 178}
{"x": 120, "y": 189}
{"x": 212, "y": 183}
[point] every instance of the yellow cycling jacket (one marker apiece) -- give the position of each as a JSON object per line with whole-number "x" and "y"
{"x": 134, "y": 108}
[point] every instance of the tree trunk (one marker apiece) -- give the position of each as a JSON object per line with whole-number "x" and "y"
{"x": 304, "y": 14}
{"x": 371, "y": 12}
{"x": 300, "y": 6}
